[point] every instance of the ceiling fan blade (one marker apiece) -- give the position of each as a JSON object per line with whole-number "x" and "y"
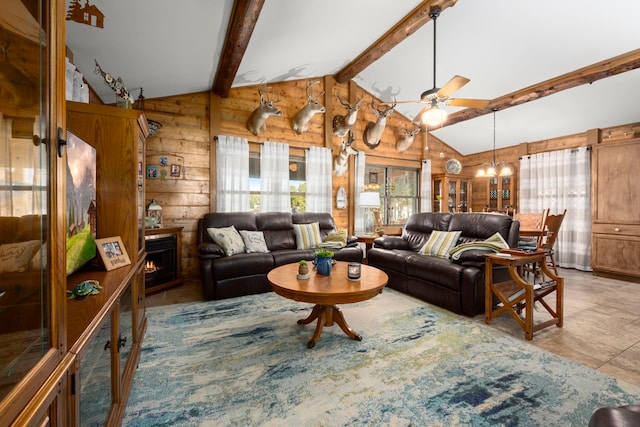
{"x": 417, "y": 101}
{"x": 464, "y": 102}
{"x": 452, "y": 85}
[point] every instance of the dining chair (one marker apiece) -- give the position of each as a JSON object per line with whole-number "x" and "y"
{"x": 546, "y": 242}
{"x": 531, "y": 221}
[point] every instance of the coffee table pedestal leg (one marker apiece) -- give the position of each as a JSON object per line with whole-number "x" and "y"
{"x": 326, "y": 314}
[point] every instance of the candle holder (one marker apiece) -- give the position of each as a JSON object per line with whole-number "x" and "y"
{"x": 354, "y": 271}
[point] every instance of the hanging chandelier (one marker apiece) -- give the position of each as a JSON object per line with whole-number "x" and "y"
{"x": 491, "y": 169}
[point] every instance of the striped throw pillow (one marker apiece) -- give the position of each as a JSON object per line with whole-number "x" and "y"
{"x": 440, "y": 243}
{"x": 307, "y": 235}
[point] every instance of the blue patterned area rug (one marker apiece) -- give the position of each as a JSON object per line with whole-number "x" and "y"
{"x": 244, "y": 362}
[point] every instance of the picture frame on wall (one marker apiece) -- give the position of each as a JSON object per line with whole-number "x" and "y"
{"x": 175, "y": 170}
{"x": 152, "y": 172}
{"x": 112, "y": 252}
{"x": 373, "y": 177}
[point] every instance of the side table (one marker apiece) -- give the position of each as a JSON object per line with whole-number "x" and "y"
{"x": 367, "y": 239}
{"x": 518, "y": 294}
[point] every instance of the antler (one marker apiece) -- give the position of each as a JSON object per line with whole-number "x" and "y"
{"x": 309, "y": 94}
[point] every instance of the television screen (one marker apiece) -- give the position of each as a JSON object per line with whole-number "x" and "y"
{"x": 81, "y": 203}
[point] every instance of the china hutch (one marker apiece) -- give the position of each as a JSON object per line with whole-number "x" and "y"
{"x": 500, "y": 193}
{"x": 451, "y": 192}
{"x": 65, "y": 362}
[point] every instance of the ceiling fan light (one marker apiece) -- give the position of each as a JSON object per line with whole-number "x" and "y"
{"x": 434, "y": 116}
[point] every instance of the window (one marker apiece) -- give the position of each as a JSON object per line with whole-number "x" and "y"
{"x": 398, "y": 189}
{"x": 297, "y": 182}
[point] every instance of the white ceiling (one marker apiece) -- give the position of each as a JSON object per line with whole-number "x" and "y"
{"x": 170, "y": 47}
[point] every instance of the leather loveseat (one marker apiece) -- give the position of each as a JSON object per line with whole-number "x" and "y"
{"x": 246, "y": 273}
{"x": 455, "y": 285}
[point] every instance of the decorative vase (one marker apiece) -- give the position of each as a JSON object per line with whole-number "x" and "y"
{"x": 323, "y": 265}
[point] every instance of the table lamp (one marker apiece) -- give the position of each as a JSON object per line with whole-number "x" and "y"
{"x": 369, "y": 200}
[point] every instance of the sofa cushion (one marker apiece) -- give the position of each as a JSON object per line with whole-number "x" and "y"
{"x": 228, "y": 239}
{"x": 254, "y": 241}
{"x": 420, "y": 225}
{"x": 435, "y": 270}
{"x": 307, "y": 235}
{"x": 440, "y": 243}
{"x": 15, "y": 257}
{"x": 244, "y": 265}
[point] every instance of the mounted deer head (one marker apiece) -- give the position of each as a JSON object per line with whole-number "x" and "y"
{"x": 300, "y": 122}
{"x": 406, "y": 139}
{"x": 342, "y": 124}
{"x": 373, "y": 131}
{"x": 341, "y": 161}
{"x": 257, "y": 120}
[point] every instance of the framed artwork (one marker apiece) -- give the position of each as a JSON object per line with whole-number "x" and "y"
{"x": 152, "y": 172}
{"x": 175, "y": 170}
{"x": 112, "y": 252}
{"x": 373, "y": 177}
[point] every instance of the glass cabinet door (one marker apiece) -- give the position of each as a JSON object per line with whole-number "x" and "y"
{"x": 493, "y": 193}
{"x": 437, "y": 195}
{"x": 505, "y": 192}
{"x": 24, "y": 191}
{"x": 453, "y": 195}
{"x": 464, "y": 194}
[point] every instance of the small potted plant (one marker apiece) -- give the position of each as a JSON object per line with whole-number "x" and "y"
{"x": 303, "y": 268}
{"x": 323, "y": 261}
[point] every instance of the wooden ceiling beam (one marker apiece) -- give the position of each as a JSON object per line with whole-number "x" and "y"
{"x": 244, "y": 17}
{"x": 600, "y": 70}
{"x": 398, "y": 33}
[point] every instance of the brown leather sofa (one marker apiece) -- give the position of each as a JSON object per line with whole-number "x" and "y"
{"x": 622, "y": 416}
{"x": 243, "y": 274}
{"x": 455, "y": 285}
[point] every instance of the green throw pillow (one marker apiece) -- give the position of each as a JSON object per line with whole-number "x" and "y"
{"x": 440, "y": 243}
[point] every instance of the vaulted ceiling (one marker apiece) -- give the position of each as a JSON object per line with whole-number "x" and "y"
{"x": 550, "y": 67}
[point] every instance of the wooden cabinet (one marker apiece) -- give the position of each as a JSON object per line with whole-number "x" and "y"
{"x": 34, "y": 362}
{"x": 451, "y": 193}
{"x": 105, "y": 331}
{"x": 500, "y": 193}
{"x": 615, "y": 242}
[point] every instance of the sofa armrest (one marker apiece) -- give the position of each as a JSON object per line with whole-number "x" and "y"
{"x": 352, "y": 241}
{"x": 391, "y": 242}
{"x": 210, "y": 250}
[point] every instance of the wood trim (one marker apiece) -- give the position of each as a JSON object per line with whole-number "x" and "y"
{"x": 244, "y": 17}
{"x": 589, "y": 74}
{"x": 396, "y": 35}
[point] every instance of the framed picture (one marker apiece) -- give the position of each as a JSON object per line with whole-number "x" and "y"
{"x": 112, "y": 252}
{"x": 373, "y": 177}
{"x": 175, "y": 170}
{"x": 152, "y": 172}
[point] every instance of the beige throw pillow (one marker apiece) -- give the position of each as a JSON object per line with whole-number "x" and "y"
{"x": 254, "y": 241}
{"x": 228, "y": 239}
{"x": 307, "y": 235}
{"x": 440, "y": 243}
{"x": 15, "y": 257}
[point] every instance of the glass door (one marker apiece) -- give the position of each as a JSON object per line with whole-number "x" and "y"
{"x": 25, "y": 299}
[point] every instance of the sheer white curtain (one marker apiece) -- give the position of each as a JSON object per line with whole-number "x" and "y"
{"x": 274, "y": 178}
{"x": 425, "y": 187}
{"x": 561, "y": 180}
{"x": 319, "y": 174}
{"x": 358, "y": 212}
{"x": 232, "y": 174}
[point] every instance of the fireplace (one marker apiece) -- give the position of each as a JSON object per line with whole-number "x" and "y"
{"x": 161, "y": 262}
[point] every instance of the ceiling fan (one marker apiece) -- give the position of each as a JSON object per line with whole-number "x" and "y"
{"x": 432, "y": 115}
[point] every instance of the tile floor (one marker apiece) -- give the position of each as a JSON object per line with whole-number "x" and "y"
{"x": 601, "y": 322}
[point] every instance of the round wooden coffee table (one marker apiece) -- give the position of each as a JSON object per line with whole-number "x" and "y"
{"x": 327, "y": 291}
